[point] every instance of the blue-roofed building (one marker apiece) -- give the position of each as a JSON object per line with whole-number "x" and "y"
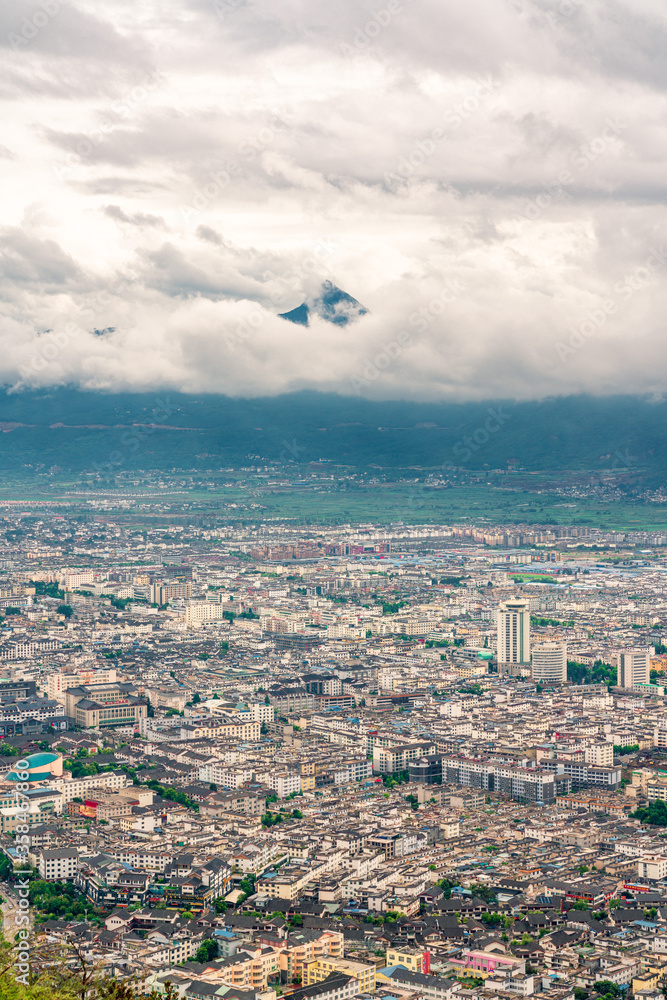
{"x": 37, "y": 767}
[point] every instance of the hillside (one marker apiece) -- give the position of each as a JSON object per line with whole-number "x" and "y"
{"x": 75, "y": 430}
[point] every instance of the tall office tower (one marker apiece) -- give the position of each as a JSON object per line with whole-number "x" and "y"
{"x": 513, "y": 636}
{"x": 550, "y": 662}
{"x": 634, "y": 666}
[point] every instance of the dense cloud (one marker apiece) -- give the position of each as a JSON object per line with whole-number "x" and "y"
{"x": 488, "y": 179}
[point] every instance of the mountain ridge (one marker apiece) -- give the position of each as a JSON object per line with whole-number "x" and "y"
{"x": 333, "y": 305}
{"x": 74, "y": 429}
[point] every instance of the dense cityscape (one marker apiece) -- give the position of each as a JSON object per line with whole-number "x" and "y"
{"x": 333, "y": 534}
{"x": 246, "y": 759}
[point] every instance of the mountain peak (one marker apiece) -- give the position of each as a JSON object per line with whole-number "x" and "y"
{"x": 330, "y": 304}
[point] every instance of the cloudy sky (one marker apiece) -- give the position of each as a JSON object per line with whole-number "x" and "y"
{"x": 487, "y": 178}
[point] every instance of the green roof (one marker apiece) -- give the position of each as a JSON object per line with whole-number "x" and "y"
{"x": 32, "y": 763}
{"x": 40, "y": 759}
{"x": 40, "y": 776}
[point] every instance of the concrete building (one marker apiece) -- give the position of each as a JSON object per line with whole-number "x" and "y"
{"x": 519, "y": 783}
{"x": 200, "y": 612}
{"x": 335, "y": 986}
{"x": 652, "y": 866}
{"x": 36, "y": 768}
{"x": 283, "y": 783}
{"x": 513, "y": 637}
{"x": 97, "y": 706}
{"x": 364, "y": 973}
{"x": 58, "y": 864}
{"x": 165, "y": 593}
{"x": 412, "y": 959}
{"x": 600, "y": 754}
{"x": 58, "y": 683}
{"x": 262, "y": 713}
{"x": 550, "y": 662}
{"x": 585, "y": 775}
{"x": 634, "y": 666}
{"x": 388, "y": 760}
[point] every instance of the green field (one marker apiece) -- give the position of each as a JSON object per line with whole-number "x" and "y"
{"x": 408, "y": 503}
{"x": 475, "y": 504}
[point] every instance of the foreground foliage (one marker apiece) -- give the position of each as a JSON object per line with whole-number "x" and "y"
{"x": 62, "y": 972}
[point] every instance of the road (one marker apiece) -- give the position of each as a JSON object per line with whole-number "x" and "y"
{"x": 10, "y": 909}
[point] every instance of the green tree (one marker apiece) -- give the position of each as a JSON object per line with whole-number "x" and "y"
{"x": 446, "y": 887}
{"x": 606, "y": 988}
{"x": 207, "y": 951}
{"x": 247, "y": 886}
{"x": 656, "y": 814}
{"x": 483, "y": 892}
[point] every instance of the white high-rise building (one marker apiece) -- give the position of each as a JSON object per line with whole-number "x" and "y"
{"x": 550, "y": 662}
{"x": 513, "y": 623}
{"x": 634, "y": 666}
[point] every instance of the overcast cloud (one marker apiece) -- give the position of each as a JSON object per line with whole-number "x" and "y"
{"x": 487, "y": 178}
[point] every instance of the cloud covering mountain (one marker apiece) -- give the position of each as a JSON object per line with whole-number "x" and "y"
{"x": 488, "y": 179}
{"x": 330, "y": 304}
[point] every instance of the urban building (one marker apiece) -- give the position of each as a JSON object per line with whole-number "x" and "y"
{"x": 513, "y": 637}
{"x": 549, "y": 661}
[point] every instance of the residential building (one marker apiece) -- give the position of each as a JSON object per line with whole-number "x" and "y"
{"x": 58, "y": 864}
